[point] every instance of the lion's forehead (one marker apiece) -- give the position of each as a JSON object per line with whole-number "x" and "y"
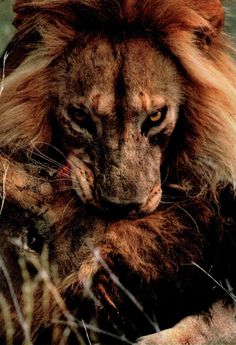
{"x": 102, "y": 71}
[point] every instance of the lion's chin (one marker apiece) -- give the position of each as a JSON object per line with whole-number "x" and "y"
{"x": 153, "y": 200}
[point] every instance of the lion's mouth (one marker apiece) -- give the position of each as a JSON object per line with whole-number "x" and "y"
{"x": 83, "y": 182}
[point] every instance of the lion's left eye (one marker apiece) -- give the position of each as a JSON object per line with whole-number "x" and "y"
{"x": 154, "y": 119}
{"x": 158, "y": 116}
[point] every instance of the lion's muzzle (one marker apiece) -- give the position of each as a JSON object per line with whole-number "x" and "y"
{"x": 122, "y": 187}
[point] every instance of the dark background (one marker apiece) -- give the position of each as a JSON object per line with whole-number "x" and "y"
{"x": 6, "y": 14}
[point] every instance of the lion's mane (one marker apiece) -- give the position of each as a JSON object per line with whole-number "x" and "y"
{"x": 189, "y": 31}
{"x": 202, "y": 163}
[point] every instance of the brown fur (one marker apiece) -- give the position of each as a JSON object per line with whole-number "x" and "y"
{"x": 151, "y": 255}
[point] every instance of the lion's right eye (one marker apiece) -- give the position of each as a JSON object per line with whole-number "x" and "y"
{"x": 76, "y": 113}
{"x": 82, "y": 118}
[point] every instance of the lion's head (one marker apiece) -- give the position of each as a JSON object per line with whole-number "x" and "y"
{"x": 117, "y": 106}
{"x": 136, "y": 95}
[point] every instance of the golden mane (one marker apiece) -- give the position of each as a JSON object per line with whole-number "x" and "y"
{"x": 201, "y": 163}
{"x": 190, "y": 31}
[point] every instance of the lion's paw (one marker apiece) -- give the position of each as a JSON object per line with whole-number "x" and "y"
{"x": 192, "y": 330}
{"x": 172, "y": 337}
{"x": 218, "y": 329}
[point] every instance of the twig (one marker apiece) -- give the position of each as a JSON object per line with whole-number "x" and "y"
{"x": 4, "y": 178}
{"x": 86, "y": 332}
{"x": 3, "y": 72}
{"x": 20, "y": 316}
{"x": 116, "y": 280}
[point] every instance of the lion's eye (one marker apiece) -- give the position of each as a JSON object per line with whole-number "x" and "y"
{"x": 155, "y": 116}
{"x": 77, "y": 114}
{"x": 158, "y": 116}
{"x": 154, "y": 119}
{"x": 82, "y": 118}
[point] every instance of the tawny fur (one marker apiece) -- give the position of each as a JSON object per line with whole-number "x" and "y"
{"x": 147, "y": 254}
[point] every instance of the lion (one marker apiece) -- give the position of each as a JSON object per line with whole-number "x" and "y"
{"x": 118, "y": 140}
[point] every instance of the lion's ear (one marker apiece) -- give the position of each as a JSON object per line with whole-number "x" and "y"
{"x": 21, "y": 9}
{"x": 213, "y": 13}
{"x": 24, "y": 39}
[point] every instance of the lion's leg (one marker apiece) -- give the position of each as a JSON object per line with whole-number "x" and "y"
{"x": 219, "y": 328}
{"x": 37, "y": 190}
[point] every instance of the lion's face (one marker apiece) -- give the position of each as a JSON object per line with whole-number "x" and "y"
{"x": 117, "y": 106}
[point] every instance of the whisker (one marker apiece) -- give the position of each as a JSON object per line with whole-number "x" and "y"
{"x": 166, "y": 176}
{"x": 43, "y": 155}
{"x": 18, "y": 169}
{"x": 39, "y": 154}
{"x": 67, "y": 205}
{"x": 227, "y": 291}
{"x": 189, "y": 215}
{"x": 65, "y": 158}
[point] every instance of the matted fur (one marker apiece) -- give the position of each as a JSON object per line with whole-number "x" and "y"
{"x": 152, "y": 250}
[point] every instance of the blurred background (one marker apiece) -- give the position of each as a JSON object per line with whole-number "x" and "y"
{"x": 6, "y": 29}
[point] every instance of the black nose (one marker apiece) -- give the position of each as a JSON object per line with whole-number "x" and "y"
{"x": 119, "y": 208}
